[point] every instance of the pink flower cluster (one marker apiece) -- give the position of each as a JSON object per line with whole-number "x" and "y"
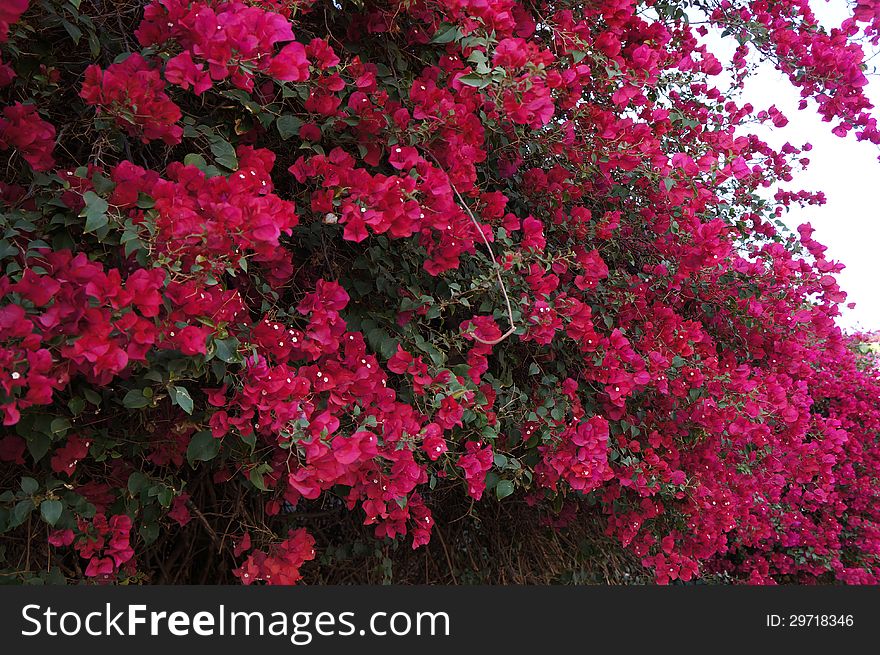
{"x": 398, "y": 205}
{"x": 222, "y": 40}
{"x": 579, "y": 455}
{"x": 213, "y": 222}
{"x": 133, "y": 93}
{"x": 103, "y": 542}
{"x": 22, "y": 129}
{"x": 281, "y": 565}
{"x": 10, "y": 12}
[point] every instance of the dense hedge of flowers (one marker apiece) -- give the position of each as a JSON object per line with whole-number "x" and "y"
{"x": 367, "y": 250}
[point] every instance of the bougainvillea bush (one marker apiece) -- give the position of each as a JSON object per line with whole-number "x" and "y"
{"x": 269, "y": 261}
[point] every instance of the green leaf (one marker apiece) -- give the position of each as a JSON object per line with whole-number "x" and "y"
{"x": 223, "y": 152}
{"x": 244, "y": 98}
{"x": 288, "y": 126}
{"x": 73, "y": 30}
{"x": 7, "y": 249}
{"x": 472, "y": 79}
{"x": 203, "y": 447}
{"x": 503, "y": 489}
{"x": 103, "y": 185}
{"x": 38, "y": 445}
{"x": 256, "y": 479}
{"x": 132, "y": 243}
{"x": 20, "y": 512}
{"x": 250, "y": 441}
{"x": 388, "y": 347}
{"x": 136, "y": 482}
{"x": 227, "y": 350}
{"x": 51, "y": 510}
{"x": 446, "y": 33}
{"x": 60, "y": 426}
{"x": 195, "y": 159}
{"x": 29, "y": 485}
{"x": 256, "y": 476}
{"x": 165, "y": 496}
{"x": 181, "y": 398}
{"x": 149, "y": 532}
{"x": 76, "y": 405}
{"x": 135, "y": 399}
{"x": 95, "y": 211}
{"x": 145, "y": 201}
{"x": 94, "y": 44}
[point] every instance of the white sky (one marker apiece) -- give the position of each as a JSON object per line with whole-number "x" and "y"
{"x": 846, "y": 170}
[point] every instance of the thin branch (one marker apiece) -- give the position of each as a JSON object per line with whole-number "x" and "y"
{"x": 501, "y": 285}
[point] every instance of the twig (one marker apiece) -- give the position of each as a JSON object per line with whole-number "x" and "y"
{"x": 201, "y": 517}
{"x": 501, "y": 285}
{"x": 448, "y": 558}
